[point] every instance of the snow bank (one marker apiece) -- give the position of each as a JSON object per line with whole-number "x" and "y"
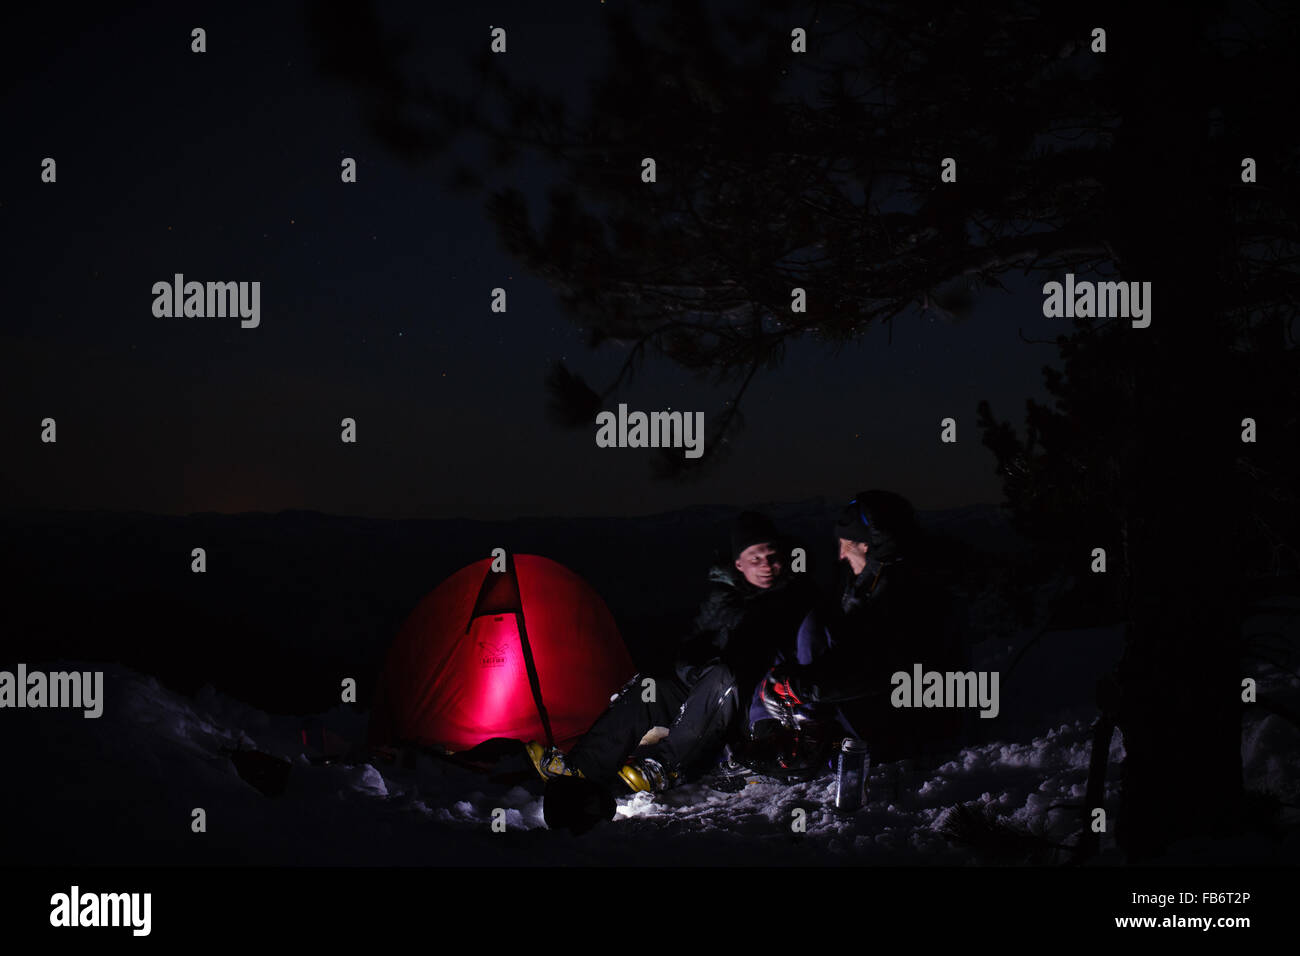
{"x": 124, "y": 788}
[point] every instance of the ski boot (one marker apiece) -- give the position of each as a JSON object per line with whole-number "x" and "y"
{"x": 648, "y": 775}
{"x": 549, "y": 761}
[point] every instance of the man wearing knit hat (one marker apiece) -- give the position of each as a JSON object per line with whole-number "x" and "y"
{"x": 754, "y": 543}
{"x": 885, "y": 621}
{"x": 751, "y": 614}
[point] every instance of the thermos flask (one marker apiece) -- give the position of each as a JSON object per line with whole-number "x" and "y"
{"x": 851, "y": 775}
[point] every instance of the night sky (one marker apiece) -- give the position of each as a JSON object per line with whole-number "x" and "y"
{"x": 224, "y": 166}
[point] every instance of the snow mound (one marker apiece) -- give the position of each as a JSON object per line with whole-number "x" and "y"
{"x": 124, "y": 788}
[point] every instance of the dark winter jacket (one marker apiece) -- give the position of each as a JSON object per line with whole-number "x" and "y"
{"x": 870, "y": 635}
{"x": 889, "y": 618}
{"x": 743, "y": 626}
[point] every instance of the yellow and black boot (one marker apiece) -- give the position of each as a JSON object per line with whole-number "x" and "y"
{"x": 647, "y": 775}
{"x": 549, "y": 761}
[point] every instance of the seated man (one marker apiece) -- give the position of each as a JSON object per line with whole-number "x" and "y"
{"x": 751, "y": 614}
{"x": 888, "y": 618}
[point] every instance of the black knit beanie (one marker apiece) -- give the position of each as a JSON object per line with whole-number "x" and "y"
{"x": 751, "y": 528}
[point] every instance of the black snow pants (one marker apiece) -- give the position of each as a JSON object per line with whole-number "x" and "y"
{"x": 699, "y": 719}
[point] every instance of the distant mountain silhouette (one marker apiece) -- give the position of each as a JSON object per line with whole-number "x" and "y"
{"x": 293, "y": 602}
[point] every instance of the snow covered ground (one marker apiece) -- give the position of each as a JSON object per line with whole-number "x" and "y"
{"x": 123, "y": 788}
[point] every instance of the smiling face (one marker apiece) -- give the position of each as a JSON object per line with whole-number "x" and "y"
{"x": 760, "y": 564}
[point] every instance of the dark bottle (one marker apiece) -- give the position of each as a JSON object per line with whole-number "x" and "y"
{"x": 851, "y": 775}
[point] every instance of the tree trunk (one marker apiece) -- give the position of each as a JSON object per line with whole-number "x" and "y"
{"x": 1179, "y": 704}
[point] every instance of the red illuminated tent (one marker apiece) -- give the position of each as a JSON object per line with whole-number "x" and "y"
{"x": 530, "y": 652}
